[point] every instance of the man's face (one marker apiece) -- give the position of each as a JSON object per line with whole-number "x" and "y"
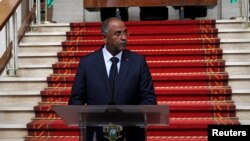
{"x": 116, "y": 38}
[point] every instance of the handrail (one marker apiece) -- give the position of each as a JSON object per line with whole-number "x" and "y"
{"x": 8, "y": 11}
{"x": 26, "y": 23}
{"x": 5, "y": 58}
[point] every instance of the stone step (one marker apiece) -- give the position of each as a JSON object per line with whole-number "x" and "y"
{"x": 237, "y": 68}
{"x": 239, "y": 81}
{"x": 245, "y": 122}
{"x": 241, "y": 95}
{"x": 235, "y": 44}
{"x": 233, "y": 33}
{"x": 39, "y": 83}
{"x": 42, "y": 59}
{"x": 46, "y": 70}
{"x": 39, "y": 47}
{"x": 226, "y": 44}
{"x": 11, "y": 139}
{"x": 35, "y": 70}
{"x": 16, "y": 114}
{"x": 63, "y": 27}
{"x": 51, "y": 57}
{"x": 23, "y": 83}
{"x": 230, "y": 24}
{"x": 61, "y": 36}
{"x": 44, "y": 37}
{"x": 51, "y": 27}
{"x": 19, "y": 93}
{"x": 41, "y": 53}
{"x": 37, "y": 54}
{"x": 13, "y": 131}
{"x": 234, "y": 81}
{"x": 10, "y": 98}
{"x": 243, "y": 111}
{"x": 236, "y": 55}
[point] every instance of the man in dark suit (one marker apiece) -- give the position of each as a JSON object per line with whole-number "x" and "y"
{"x": 132, "y": 85}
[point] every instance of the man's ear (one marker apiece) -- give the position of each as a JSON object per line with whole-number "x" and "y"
{"x": 104, "y": 35}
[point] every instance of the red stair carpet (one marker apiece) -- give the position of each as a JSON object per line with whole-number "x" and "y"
{"x": 188, "y": 71}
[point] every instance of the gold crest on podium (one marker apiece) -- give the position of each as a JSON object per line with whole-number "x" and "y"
{"x": 112, "y": 132}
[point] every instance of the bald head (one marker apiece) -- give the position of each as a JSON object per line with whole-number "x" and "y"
{"x": 114, "y": 33}
{"x": 109, "y": 23}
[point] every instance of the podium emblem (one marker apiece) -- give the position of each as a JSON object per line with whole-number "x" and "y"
{"x": 112, "y": 132}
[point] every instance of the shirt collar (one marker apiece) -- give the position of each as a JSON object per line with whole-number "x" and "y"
{"x": 107, "y": 55}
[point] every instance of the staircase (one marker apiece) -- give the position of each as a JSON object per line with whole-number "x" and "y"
{"x": 21, "y": 95}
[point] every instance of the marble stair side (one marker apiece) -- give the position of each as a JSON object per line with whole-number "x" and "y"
{"x": 235, "y": 43}
{"x": 19, "y": 95}
{"x": 42, "y": 45}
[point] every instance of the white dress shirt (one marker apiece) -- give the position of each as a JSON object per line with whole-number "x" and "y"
{"x": 107, "y": 56}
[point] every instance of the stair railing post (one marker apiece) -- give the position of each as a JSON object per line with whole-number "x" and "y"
{"x": 31, "y": 4}
{"x": 38, "y": 12}
{"x": 84, "y": 14}
{"x": 240, "y": 8}
{"x": 15, "y": 43}
{"x": 7, "y": 37}
{"x": 247, "y": 13}
{"x": 45, "y": 10}
{"x": 13, "y": 64}
{"x": 220, "y": 8}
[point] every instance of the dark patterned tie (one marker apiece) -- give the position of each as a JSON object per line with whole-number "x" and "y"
{"x": 112, "y": 76}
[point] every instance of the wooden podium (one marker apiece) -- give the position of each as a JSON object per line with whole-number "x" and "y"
{"x": 106, "y": 115}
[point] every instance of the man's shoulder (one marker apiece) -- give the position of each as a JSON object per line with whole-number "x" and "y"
{"x": 90, "y": 56}
{"x": 133, "y": 54}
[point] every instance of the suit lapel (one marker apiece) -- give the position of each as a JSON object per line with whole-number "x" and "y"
{"x": 102, "y": 70}
{"x": 122, "y": 72}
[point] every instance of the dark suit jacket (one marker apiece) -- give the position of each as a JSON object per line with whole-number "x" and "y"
{"x": 133, "y": 86}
